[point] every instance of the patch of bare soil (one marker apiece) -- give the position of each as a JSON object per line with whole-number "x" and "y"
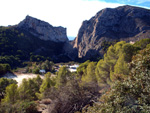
{"x": 20, "y": 76}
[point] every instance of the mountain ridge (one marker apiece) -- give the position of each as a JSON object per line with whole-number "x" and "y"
{"x": 43, "y": 30}
{"x": 110, "y": 25}
{"x": 127, "y": 23}
{"x": 35, "y": 39}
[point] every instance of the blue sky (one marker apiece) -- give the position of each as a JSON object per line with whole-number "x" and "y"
{"x": 67, "y": 13}
{"x": 144, "y": 3}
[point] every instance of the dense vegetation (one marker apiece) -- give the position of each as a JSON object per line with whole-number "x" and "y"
{"x": 117, "y": 83}
{"x": 35, "y": 67}
{"x": 17, "y": 46}
{"x": 4, "y": 68}
{"x": 132, "y": 93}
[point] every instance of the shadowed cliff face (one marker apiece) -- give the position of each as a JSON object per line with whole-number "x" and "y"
{"x": 126, "y": 23}
{"x": 43, "y": 30}
{"x": 54, "y": 36}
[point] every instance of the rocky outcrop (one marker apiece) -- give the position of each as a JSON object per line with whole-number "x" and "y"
{"x": 43, "y": 30}
{"x": 126, "y": 23}
{"x": 56, "y": 44}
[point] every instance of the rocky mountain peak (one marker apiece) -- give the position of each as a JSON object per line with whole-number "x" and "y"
{"x": 43, "y": 30}
{"x": 126, "y": 23}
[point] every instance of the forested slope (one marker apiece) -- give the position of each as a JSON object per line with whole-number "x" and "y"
{"x": 117, "y": 83}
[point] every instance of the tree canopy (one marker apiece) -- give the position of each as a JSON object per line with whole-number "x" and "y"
{"x": 115, "y": 62}
{"x": 131, "y": 94}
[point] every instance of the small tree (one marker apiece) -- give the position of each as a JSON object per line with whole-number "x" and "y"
{"x": 82, "y": 68}
{"x": 90, "y": 73}
{"x": 11, "y": 94}
{"x": 23, "y": 90}
{"x": 38, "y": 81}
{"x": 36, "y": 71}
{"x": 4, "y": 82}
{"x": 63, "y": 76}
{"x": 46, "y": 85}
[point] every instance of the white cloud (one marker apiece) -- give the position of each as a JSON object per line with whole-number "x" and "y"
{"x": 66, "y": 13}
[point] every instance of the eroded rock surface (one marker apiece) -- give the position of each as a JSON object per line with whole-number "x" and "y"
{"x": 126, "y": 23}
{"x": 43, "y": 30}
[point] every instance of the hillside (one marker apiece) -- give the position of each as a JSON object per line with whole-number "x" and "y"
{"x": 119, "y": 82}
{"x": 34, "y": 40}
{"x": 32, "y": 37}
{"x": 127, "y": 23}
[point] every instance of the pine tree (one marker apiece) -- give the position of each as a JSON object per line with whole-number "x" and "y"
{"x": 90, "y": 76}
{"x": 24, "y": 91}
{"x": 46, "y": 83}
{"x": 114, "y": 63}
{"x": 11, "y": 94}
{"x": 62, "y": 77}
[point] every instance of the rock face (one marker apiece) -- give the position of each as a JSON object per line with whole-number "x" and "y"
{"x": 126, "y": 23}
{"x": 57, "y": 45}
{"x": 43, "y": 30}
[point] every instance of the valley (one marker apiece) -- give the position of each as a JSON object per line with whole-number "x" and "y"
{"x": 105, "y": 69}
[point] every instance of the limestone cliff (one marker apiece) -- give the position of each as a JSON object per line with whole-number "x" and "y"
{"x": 43, "y": 30}
{"x": 126, "y": 23}
{"x": 58, "y": 45}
